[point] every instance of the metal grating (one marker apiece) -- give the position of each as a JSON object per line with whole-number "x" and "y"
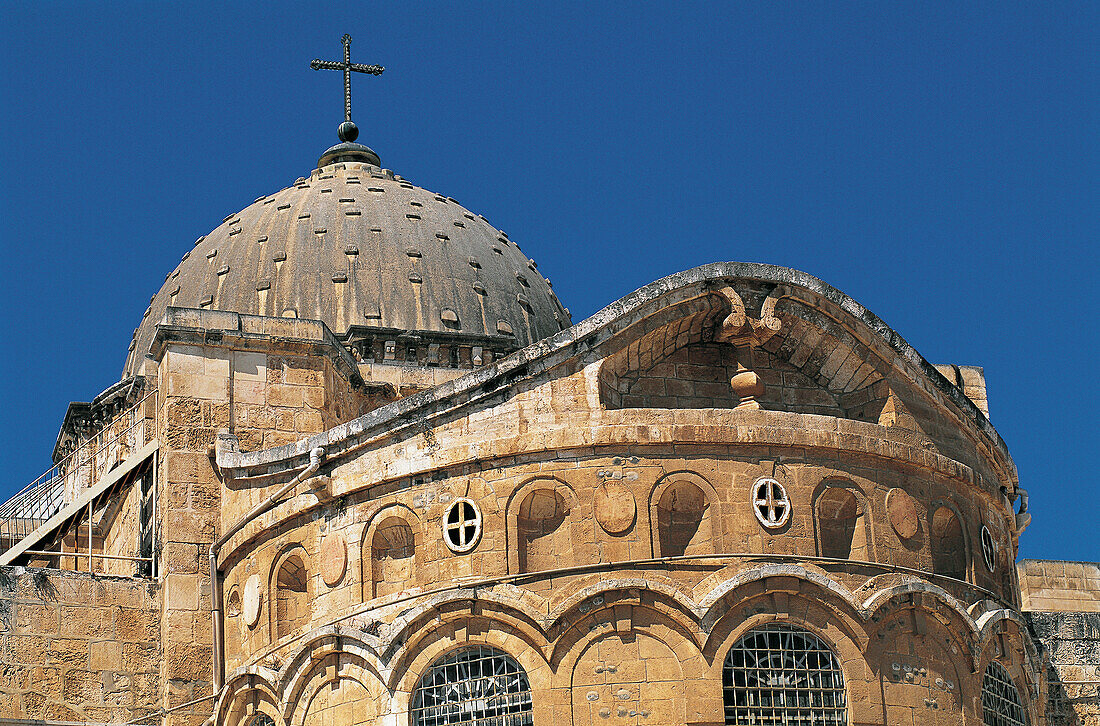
{"x": 784, "y": 676}
{"x": 261, "y": 719}
{"x": 479, "y": 685}
{"x": 1000, "y": 700}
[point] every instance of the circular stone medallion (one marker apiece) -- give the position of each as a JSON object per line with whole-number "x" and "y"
{"x": 903, "y": 513}
{"x": 615, "y": 507}
{"x": 334, "y": 559}
{"x": 250, "y": 607}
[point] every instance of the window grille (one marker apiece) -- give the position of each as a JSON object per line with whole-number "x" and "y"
{"x": 481, "y": 686}
{"x": 779, "y": 675}
{"x": 1001, "y": 704}
{"x": 261, "y": 719}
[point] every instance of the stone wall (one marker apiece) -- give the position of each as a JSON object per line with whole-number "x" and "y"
{"x": 77, "y": 647}
{"x": 1059, "y": 586}
{"x": 1071, "y": 643}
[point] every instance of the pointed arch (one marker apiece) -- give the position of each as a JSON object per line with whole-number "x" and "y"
{"x": 947, "y": 539}
{"x": 388, "y": 553}
{"x": 841, "y": 525}
{"x": 685, "y": 516}
{"x": 291, "y": 592}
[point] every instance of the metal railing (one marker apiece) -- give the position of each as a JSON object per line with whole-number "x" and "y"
{"x": 44, "y": 497}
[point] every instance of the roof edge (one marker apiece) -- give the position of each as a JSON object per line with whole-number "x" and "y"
{"x": 517, "y": 365}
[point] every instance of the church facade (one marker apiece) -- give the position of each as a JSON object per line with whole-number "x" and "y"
{"x": 362, "y": 468}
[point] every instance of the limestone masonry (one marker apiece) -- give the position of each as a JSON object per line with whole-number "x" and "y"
{"x": 362, "y": 468}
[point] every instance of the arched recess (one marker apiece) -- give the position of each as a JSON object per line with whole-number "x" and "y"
{"x": 474, "y": 684}
{"x": 779, "y": 672}
{"x": 291, "y": 592}
{"x": 234, "y": 629}
{"x": 544, "y": 527}
{"x": 921, "y": 651}
{"x": 635, "y": 671}
{"x": 840, "y": 521}
{"x": 389, "y": 554}
{"x": 947, "y": 539}
{"x": 685, "y": 516}
{"x": 338, "y": 690}
{"x": 249, "y": 700}
{"x": 544, "y": 532}
{"x": 434, "y": 640}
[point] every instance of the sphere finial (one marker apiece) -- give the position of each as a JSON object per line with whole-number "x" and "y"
{"x": 348, "y": 131}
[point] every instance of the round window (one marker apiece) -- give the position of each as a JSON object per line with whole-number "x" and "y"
{"x": 989, "y": 549}
{"x": 770, "y": 503}
{"x": 462, "y": 525}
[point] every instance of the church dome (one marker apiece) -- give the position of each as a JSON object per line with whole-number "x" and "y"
{"x": 365, "y": 252}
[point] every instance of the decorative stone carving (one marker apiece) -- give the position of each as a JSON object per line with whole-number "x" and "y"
{"x": 747, "y": 386}
{"x": 743, "y": 331}
{"x": 334, "y": 559}
{"x": 462, "y": 525}
{"x": 615, "y": 507}
{"x": 740, "y": 329}
{"x": 770, "y": 503}
{"x": 253, "y": 597}
{"x": 902, "y": 510}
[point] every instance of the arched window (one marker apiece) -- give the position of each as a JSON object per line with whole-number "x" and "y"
{"x": 391, "y": 556}
{"x": 840, "y": 525}
{"x": 478, "y": 685}
{"x": 1001, "y": 704}
{"x": 261, "y": 719}
{"x": 683, "y": 527}
{"x": 291, "y": 596}
{"x": 545, "y": 535}
{"x": 948, "y": 547}
{"x": 779, "y": 674}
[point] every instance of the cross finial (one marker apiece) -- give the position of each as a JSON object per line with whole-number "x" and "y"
{"x": 348, "y": 130}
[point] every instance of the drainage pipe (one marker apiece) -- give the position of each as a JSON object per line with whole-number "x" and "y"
{"x": 315, "y": 457}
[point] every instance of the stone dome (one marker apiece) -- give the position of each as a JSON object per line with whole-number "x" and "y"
{"x": 366, "y": 252}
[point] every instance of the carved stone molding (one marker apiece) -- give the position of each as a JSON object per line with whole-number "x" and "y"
{"x": 741, "y": 329}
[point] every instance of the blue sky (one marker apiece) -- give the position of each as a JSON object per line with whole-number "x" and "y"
{"x": 936, "y": 161}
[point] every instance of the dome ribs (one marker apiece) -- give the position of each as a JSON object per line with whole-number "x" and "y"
{"x": 322, "y": 249}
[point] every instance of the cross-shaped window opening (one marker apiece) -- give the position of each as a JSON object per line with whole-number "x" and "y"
{"x": 770, "y": 503}
{"x": 462, "y": 525}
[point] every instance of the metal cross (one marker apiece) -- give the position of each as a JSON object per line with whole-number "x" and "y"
{"x": 347, "y": 67}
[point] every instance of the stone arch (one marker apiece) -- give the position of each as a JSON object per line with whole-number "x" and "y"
{"x": 291, "y": 592}
{"x": 508, "y": 606}
{"x": 636, "y": 671}
{"x": 813, "y": 617}
{"x": 841, "y": 525}
{"x": 543, "y": 524}
{"x": 438, "y": 639}
{"x": 685, "y": 516}
{"x": 920, "y": 653}
{"x": 388, "y": 552}
{"x": 247, "y": 696}
{"x": 234, "y": 632}
{"x": 994, "y": 626}
{"x": 768, "y": 661}
{"x": 337, "y": 689}
{"x": 790, "y": 589}
{"x": 621, "y": 651}
{"x": 621, "y": 612}
{"x": 301, "y": 676}
{"x": 932, "y": 598}
{"x": 947, "y": 538}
